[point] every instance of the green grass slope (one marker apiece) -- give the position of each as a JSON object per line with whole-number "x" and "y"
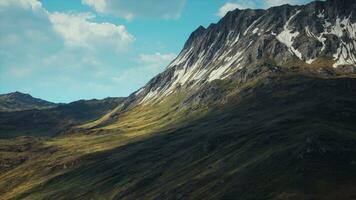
{"x": 281, "y": 137}
{"x": 54, "y": 121}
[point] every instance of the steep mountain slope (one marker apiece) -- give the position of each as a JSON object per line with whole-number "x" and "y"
{"x": 316, "y": 36}
{"x": 284, "y": 137}
{"x": 18, "y": 101}
{"x": 56, "y": 120}
{"x": 318, "y": 39}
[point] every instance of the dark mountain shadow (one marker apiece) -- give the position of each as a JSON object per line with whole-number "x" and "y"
{"x": 289, "y": 138}
{"x": 54, "y": 121}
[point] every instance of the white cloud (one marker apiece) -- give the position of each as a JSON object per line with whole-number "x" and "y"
{"x": 25, "y": 28}
{"x": 59, "y": 54}
{"x": 27, "y": 4}
{"x": 79, "y": 31}
{"x": 99, "y": 5}
{"x": 157, "y": 59}
{"x": 253, "y": 4}
{"x": 27, "y": 22}
{"x": 275, "y": 2}
{"x": 270, "y": 3}
{"x": 128, "y": 9}
{"x": 229, "y": 7}
{"x": 43, "y": 52}
{"x": 147, "y": 67}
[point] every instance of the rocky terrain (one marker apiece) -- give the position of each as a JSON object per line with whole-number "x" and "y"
{"x": 319, "y": 36}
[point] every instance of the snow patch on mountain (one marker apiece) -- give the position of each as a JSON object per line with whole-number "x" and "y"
{"x": 253, "y": 24}
{"x": 223, "y": 49}
{"x": 321, "y": 15}
{"x": 149, "y": 96}
{"x": 346, "y": 53}
{"x": 287, "y": 36}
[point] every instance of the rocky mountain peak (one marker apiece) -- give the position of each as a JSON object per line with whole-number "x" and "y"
{"x": 319, "y": 32}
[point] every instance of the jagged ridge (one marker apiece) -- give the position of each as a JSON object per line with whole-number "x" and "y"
{"x": 244, "y": 38}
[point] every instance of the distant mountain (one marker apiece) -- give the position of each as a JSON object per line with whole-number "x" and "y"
{"x": 54, "y": 120}
{"x": 19, "y": 101}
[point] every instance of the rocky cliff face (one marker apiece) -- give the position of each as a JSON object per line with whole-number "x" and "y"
{"x": 320, "y": 32}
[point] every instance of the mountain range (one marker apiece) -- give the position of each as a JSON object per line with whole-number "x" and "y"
{"x": 260, "y": 105}
{"x": 24, "y": 115}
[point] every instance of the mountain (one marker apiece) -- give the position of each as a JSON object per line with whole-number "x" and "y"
{"x": 18, "y": 101}
{"x": 317, "y": 39}
{"x": 285, "y": 137}
{"x": 319, "y": 36}
{"x": 258, "y": 106}
{"x": 53, "y": 121}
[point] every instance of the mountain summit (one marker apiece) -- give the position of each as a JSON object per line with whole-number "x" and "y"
{"x": 319, "y": 36}
{"x": 17, "y": 101}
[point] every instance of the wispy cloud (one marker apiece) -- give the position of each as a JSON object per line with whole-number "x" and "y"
{"x": 157, "y": 59}
{"x": 242, "y": 4}
{"x": 227, "y": 7}
{"x": 148, "y": 65}
{"x": 128, "y": 9}
{"x": 53, "y": 51}
{"x": 79, "y": 31}
{"x": 270, "y": 3}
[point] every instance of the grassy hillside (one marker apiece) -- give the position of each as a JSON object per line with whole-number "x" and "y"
{"x": 280, "y": 137}
{"x": 54, "y": 121}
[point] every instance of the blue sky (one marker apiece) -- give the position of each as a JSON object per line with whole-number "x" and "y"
{"x": 66, "y": 50}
